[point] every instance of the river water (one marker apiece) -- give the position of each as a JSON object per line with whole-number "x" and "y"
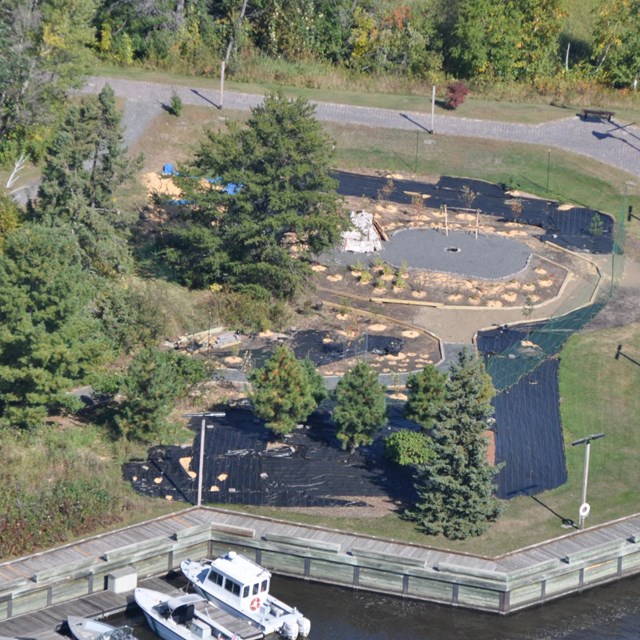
{"x": 608, "y": 612}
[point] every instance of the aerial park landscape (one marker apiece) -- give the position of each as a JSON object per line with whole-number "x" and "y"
{"x": 380, "y": 347}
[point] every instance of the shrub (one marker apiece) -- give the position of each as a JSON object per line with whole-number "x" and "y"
{"x": 456, "y": 93}
{"x": 175, "y": 106}
{"x": 407, "y": 447}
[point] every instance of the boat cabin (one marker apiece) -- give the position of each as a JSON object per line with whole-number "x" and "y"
{"x": 239, "y": 582}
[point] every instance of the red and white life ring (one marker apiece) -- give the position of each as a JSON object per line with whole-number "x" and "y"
{"x": 255, "y": 604}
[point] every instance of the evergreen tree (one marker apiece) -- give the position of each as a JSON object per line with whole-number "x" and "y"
{"x": 48, "y": 338}
{"x": 285, "y": 391}
{"x": 360, "y": 406}
{"x": 85, "y": 165}
{"x": 426, "y": 390}
{"x": 456, "y": 487}
{"x": 285, "y": 208}
{"x": 154, "y": 381}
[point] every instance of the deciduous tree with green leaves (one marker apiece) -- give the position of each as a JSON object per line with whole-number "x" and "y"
{"x": 43, "y": 52}
{"x": 285, "y": 391}
{"x": 285, "y": 208}
{"x": 456, "y": 487}
{"x": 360, "y": 406}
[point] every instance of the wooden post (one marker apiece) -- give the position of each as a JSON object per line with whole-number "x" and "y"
{"x": 222, "y": 66}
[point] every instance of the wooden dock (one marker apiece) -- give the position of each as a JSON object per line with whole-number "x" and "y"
{"x": 82, "y": 571}
{"x": 50, "y": 623}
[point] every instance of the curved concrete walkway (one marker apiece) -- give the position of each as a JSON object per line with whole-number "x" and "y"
{"x": 613, "y": 143}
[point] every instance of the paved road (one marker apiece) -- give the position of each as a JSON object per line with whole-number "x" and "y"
{"x": 614, "y": 143}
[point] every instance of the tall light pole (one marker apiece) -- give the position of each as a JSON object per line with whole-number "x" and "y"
{"x": 584, "y": 505}
{"x": 203, "y": 428}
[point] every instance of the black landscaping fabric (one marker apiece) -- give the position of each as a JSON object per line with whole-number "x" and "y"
{"x": 308, "y": 470}
{"x": 528, "y": 434}
{"x": 568, "y": 228}
{"x": 523, "y": 364}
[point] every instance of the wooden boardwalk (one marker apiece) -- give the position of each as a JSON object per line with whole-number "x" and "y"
{"x": 79, "y": 572}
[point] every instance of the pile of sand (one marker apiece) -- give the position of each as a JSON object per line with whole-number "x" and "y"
{"x": 335, "y": 278}
{"x": 163, "y": 185}
{"x": 377, "y": 327}
{"x": 318, "y": 267}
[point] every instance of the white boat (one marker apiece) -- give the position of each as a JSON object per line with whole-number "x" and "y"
{"x": 88, "y": 629}
{"x": 183, "y": 617}
{"x": 241, "y": 587}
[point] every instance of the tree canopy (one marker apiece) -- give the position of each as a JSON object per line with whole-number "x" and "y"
{"x": 456, "y": 486}
{"x": 48, "y": 336}
{"x": 285, "y": 207}
{"x": 85, "y": 165}
{"x": 285, "y": 391}
{"x": 426, "y": 395}
{"x": 44, "y": 50}
{"x": 360, "y": 406}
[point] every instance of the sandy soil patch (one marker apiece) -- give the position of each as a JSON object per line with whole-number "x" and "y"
{"x": 233, "y": 360}
{"x": 494, "y": 304}
{"x": 540, "y": 270}
{"x": 318, "y": 267}
{"x": 566, "y": 207}
{"x": 410, "y": 333}
{"x": 454, "y": 297}
{"x": 163, "y": 185}
{"x": 377, "y": 327}
{"x": 419, "y": 294}
{"x": 334, "y": 278}
{"x": 528, "y": 287}
{"x": 509, "y": 297}
{"x": 399, "y": 396}
{"x": 545, "y": 283}
{"x": 474, "y": 301}
{"x": 342, "y": 316}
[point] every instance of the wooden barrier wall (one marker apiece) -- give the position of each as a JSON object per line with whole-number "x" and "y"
{"x": 314, "y": 560}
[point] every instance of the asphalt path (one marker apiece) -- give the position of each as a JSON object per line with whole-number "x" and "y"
{"x": 615, "y": 143}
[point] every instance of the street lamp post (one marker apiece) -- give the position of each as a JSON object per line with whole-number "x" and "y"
{"x": 584, "y": 505}
{"x": 203, "y": 427}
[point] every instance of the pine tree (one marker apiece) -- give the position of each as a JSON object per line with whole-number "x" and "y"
{"x": 456, "y": 487}
{"x": 85, "y": 166}
{"x": 48, "y": 337}
{"x": 286, "y": 207}
{"x": 426, "y": 390}
{"x": 360, "y": 406}
{"x": 154, "y": 381}
{"x": 285, "y": 391}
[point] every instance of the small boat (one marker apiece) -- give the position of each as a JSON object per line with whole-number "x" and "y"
{"x": 183, "y": 617}
{"x": 241, "y": 587}
{"x": 88, "y": 629}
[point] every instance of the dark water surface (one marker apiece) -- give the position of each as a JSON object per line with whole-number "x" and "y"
{"x": 608, "y": 612}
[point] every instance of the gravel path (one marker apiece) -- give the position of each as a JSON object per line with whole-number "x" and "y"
{"x": 613, "y": 143}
